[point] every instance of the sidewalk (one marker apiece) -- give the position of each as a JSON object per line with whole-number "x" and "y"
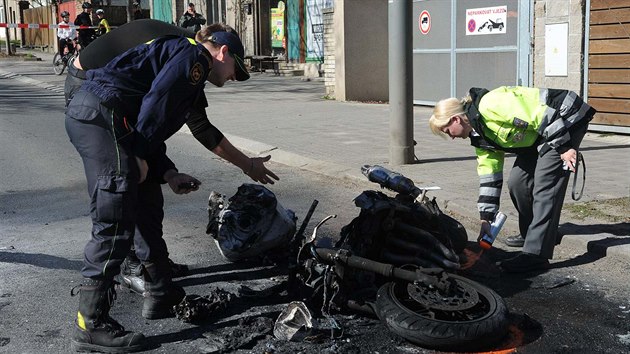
{"x": 289, "y": 119}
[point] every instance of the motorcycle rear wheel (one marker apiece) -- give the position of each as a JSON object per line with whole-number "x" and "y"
{"x": 480, "y": 321}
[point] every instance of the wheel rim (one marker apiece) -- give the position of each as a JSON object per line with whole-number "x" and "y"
{"x": 58, "y": 64}
{"x": 463, "y": 307}
{"x": 460, "y": 297}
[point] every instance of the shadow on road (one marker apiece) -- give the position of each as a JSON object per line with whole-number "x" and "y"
{"x": 595, "y": 250}
{"x": 619, "y": 229}
{"x": 230, "y": 272}
{"x": 40, "y": 260}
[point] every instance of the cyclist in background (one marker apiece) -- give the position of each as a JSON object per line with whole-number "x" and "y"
{"x": 86, "y": 35}
{"x": 66, "y": 36}
{"x": 103, "y": 25}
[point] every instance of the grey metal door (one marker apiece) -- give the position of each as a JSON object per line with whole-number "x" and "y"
{"x": 458, "y": 44}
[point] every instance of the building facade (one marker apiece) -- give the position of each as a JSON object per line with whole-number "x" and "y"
{"x": 579, "y": 45}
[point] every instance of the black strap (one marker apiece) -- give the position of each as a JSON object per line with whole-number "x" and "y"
{"x": 74, "y": 71}
{"x": 574, "y": 195}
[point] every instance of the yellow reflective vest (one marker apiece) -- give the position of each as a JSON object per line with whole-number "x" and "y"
{"x": 518, "y": 119}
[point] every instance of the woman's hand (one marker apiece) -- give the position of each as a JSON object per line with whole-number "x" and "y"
{"x": 570, "y": 159}
{"x": 484, "y": 230}
{"x": 258, "y": 172}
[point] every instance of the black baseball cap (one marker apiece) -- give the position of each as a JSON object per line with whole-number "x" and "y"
{"x": 233, "y": 42}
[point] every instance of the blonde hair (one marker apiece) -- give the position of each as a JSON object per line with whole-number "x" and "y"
{"x": 443, "y": 111}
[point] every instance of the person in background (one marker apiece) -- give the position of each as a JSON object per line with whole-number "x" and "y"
{"x": 544, "y": 128}
{"x": 86, "y": 35}
{"x": 137, "y": 11}
{"x": 192, "y": 20}
{"x": 103, "y": 25}
{"x": 66, "y": 36}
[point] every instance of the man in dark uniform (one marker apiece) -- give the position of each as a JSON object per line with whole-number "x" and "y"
{"x": 118, "y": 123}
{"x": 97, "y": 55}
{"x": 85, "y": 19}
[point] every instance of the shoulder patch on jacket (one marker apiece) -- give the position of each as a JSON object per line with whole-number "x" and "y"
{"x": 196, "y": 73}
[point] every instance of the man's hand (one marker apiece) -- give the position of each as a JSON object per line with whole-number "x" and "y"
{"x": 181, "y": 183}
{"x": 143, "y": 167}
{"x": 258, "y": 172}
{"x": 484, "y": 230}
{"x": 570, "y": 159}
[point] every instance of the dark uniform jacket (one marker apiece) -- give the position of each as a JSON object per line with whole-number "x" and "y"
{"x": 153, "y": 86}
{"x": 85, "y": 35}
{"x": 105, "y": 48}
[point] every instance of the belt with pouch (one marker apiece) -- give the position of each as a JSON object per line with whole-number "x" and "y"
{"x": 121, "y": 126}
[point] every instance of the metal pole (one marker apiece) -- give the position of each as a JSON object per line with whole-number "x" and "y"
{"x": 6, "y": 30}
{"x": 400, "y": 83}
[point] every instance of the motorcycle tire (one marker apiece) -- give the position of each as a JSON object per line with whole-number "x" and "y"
{"x": 476, "y": 327}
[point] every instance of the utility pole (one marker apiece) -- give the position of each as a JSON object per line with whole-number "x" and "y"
{"x": 400, "y": 83}
{"x": 6, "y": 30}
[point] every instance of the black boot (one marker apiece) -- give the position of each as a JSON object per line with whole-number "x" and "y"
{"x": 94, "y": 330}
{"x": 179, "y": 270}
{"x": 161, "y": 294}
{"x": 131, "y": 274}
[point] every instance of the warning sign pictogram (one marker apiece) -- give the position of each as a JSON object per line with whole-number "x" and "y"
{"x": 424, "y": 22}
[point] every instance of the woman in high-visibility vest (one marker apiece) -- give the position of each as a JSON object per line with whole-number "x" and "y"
{"x": 544, "y": 128}
{"x": 103, "y": 25}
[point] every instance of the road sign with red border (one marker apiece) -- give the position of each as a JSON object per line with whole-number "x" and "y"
{"x": 424, "y": 22}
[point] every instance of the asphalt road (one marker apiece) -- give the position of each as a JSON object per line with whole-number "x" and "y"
{"x": 581, "y": 306}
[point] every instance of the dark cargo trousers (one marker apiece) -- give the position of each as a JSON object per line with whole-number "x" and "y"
{"x": 118, "y": 202}
{"x": 538, "y": 186}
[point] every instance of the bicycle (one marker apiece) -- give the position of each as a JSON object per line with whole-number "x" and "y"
{"x": 60, "y": 62}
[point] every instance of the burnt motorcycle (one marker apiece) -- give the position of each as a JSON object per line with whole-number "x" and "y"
{"x": 398, "y": 260}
